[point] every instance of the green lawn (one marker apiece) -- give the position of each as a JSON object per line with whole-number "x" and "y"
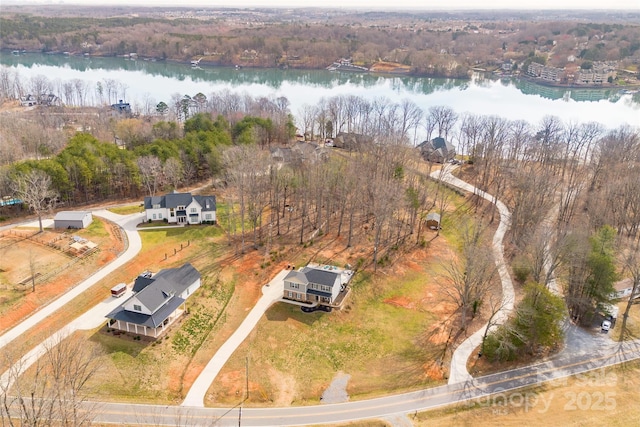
{"x": 127, "y": 210}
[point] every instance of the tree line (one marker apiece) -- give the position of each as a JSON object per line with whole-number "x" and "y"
{"x": 437, "y": 47}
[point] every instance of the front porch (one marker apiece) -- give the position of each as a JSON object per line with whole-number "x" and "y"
{"x": 148, "y": 330}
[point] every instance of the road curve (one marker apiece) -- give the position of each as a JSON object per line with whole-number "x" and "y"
{"x": 458, "y": 372}
{"x": 92, "y": 318}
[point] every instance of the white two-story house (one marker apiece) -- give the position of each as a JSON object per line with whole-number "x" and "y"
{"x": 158, "y": 302}
{"x": 181, "y": 208}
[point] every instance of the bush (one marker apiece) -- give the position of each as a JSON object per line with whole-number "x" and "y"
{"x": 521, "y": 272}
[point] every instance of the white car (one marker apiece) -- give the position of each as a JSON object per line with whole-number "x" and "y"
{"x": 606, "y": 325}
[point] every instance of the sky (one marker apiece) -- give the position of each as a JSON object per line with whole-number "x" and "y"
{"x": 381, "y": 4}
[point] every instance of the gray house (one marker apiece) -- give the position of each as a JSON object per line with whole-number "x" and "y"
{"x": 437, "y": 150}
{"x": 319, "y": 285}
{"x": 157, "y": 303}
{"x": 181, "y": 208}
{"x": 72, "y": 219}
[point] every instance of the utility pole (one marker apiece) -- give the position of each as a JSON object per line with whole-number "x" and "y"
{"x": 246, "y": 389}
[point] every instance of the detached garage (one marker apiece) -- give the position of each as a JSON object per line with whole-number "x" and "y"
{"x": 72, "y": 219}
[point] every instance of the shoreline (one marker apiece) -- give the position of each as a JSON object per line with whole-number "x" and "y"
{"x": 389, "y": 73}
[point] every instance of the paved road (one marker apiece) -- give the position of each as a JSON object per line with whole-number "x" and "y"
{"x": 92, "y": 318}
{"x": 408, "y": 403}
{"x": 458, "y": 370}
{"x": 271, "y": 293}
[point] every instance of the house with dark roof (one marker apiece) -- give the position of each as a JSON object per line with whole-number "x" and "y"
{"x": 437, "y": 150}
{"x": 317, "y": 285}
{"x": 351, "y": 141}
{"x": 157, "y": 303}
{"x": 121, "y": 107}
{"x": 181, "y": 208}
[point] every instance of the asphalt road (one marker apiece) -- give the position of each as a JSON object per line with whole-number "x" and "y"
{"x": 407, "y": 403}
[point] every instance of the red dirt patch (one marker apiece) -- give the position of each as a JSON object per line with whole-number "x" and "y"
{"x": 401, "y": 301}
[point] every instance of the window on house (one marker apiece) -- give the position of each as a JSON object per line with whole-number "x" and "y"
{"x": 154, "y": 216}
{"x": 325, "y": 288}
{"x": 156, "y": 206}
{"x": 172, "y": 212}
{"x": 137, "y": 307}
{"x": 194, "y": 210}
{"x": 290, "y": 294}
{"x": 159, "y": 216}
{"x": 294, "y": 286}
{"x": 208, "y": 216}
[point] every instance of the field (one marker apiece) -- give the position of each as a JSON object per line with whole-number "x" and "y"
{"x": 56, "y": 272}
{"x": 602, "y": 397}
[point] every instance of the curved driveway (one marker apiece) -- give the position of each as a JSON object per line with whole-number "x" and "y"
{"x": 192, "y": 412}
{"x": 458, "y": 371}
{"x": 92, "y": 318}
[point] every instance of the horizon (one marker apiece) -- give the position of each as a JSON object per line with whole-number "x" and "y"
{"x": 467, "y": 5}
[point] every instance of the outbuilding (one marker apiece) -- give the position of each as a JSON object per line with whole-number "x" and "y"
{"x": 433, "y": 221}
{"x": 72, "y": 219}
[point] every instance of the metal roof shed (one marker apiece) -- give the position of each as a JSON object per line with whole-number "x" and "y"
{"x": 72, "y": 219}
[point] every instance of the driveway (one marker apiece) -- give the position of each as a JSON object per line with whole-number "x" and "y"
{"x": 271, "y": 293}
{"x": 95, "y": 316}
{"x": 458, "y": 372}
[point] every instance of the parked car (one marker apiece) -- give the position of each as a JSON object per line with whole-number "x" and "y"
{"x": 606, "y": 325}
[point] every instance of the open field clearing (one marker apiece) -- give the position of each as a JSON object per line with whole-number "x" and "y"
{"x": 57, "y": 268}
{"x": 602, "y": 397}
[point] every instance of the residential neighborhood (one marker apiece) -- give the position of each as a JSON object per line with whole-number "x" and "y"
{"x": 213, "y": 229}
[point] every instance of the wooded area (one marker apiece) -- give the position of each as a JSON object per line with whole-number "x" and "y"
{"x": 429, "y": 43}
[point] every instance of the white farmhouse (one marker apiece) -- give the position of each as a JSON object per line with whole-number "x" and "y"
{"x": 181, "y": 208}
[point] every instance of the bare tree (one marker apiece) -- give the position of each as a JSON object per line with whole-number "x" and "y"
{"x": 52, "y": 391}
{"x": 173, "y": 172}
{"x": 34, "y": 189}
{"x": 632, "y": 265}
{"x": 150, "y": 173}
{"x": 469, "y": 278}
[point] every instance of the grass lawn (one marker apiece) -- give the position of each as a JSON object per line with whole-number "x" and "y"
{"x": 128, "y": 209}
{"x": 602, "y": 397}
{"x": 377, "y": 338}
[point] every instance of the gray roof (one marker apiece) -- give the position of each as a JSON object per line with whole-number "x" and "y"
{"x": 433, "y": 216}
{"x": 208, "y": 203}
{"x": 156, "y": 294}
{"x": 179, "y": 278}
{"x": 70, "y": 215}
{"x": 160, "y": 292}
{"x": 321, "y": 277}
{"x": 173, "y": 200}
{"x": 141, "y": 282}
{"x": 151, "y": 321}
{"x": 296, "y": 277}
{"x": 149, "y": 201}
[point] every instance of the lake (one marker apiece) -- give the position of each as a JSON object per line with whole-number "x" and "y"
{"x": 151, "y": 82}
